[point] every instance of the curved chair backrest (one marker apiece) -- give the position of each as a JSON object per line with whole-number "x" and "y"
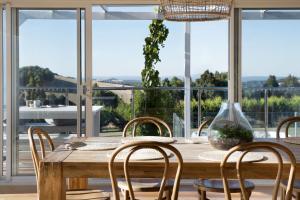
{"x": 268, "y": 146}
{"x": 33, "y": 148}
{"x": 147, "y": 120}
{"x": 136, "y": 146}
{"x": 202, "y": 125}
{"x": 288, "y": 121}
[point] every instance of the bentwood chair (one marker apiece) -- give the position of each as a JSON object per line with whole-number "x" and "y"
{"x": 152, "y": 184}
{"x": 160, "y": 124}
{"x": 71, "y": 194}
{"x": 204, "y": 124}
{"x": 215, "y": 185}
{"x": 271, "y": 147}
{"x": 131, "y": 186}
{"x": 287, "y": 123}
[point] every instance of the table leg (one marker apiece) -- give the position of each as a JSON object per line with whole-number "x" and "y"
{"x": 77, "y": 183}
{"x": 51, "y": 181}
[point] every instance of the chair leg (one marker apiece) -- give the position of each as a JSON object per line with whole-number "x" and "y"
{"x": 249, "y": 192}
{"x": 242, "y": 197}
{"x": 202, "y": 195}
{"x": 298, "y": 196}
{"x": 249, "y": 195}
{"x": 126, "y": 194}
{"x": 282, "y": 193}
{"x": 168, "y": 194}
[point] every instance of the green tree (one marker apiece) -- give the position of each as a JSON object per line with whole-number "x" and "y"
{"x": 209, "y": 79}
{"x": 166, "y": 82}
{"x": 291, "y": 81}
{"x": 177, "y": 95}
{"x": 176, "y": 82}
{"x": 34, "y": 76}
{"x": 271, "y": 82}
{"x": 105, "y": 97}
{"x": 221, "y": 79}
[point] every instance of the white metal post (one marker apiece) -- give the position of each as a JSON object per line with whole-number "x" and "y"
{"x": 89, "y": 70}
{"x": 1, "y": 91}
{"x": 79, "y": 73}
{"x": 15, "y": 89}
{"x": 9, "y": 93}
{"x": 187, "y": 81}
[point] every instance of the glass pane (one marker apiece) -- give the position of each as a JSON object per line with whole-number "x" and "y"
{"x": 253, "y": 105}
{"x": 270, "y": 68}
{"x": 46, "y": 79}
{"x": 209, "y": 70}
{"x": 118, "y": 61}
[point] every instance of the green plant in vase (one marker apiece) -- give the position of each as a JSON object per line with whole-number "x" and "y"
{"x": 235, "y": 131}
{"x": 230, "y": 128}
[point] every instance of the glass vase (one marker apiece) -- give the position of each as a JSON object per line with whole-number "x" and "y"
{"x": 230, "y": 127}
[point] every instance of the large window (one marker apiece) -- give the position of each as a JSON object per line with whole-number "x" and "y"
{"x": 118, "y": 61}
{"x": 270, "y": 68}
{"x": 49, "y": 53}
{"x": 209, "y": 69}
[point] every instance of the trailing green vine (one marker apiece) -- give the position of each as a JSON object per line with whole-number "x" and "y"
{"x": 152, "y": 102}
{"x": 153, "y": 43}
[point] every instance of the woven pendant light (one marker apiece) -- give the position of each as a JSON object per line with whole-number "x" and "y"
{"x": 196, "y": 10}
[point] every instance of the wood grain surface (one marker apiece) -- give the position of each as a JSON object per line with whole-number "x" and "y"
{"x": 93, "y": 164}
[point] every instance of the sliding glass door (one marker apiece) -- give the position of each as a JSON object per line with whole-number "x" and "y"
{"x": 47, "y": 78}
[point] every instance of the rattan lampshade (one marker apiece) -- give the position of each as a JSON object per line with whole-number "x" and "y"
{"x": 195, "y": 10}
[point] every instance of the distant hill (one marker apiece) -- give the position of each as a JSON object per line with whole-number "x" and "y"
{"x": 193, "y": 76}
{"x": 254, "y": 78}
{"x": 61, "y": 81}
{"x": 103, "y": 78}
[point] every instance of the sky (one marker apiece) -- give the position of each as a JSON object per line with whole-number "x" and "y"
{"x": 268, "y": 47}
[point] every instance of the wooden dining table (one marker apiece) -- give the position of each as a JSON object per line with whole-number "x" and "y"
{"x": 64, "y": 163}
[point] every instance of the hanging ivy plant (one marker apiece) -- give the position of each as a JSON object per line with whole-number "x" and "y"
{"x": 153, "y": 43}
{"x": 151, "y": 102}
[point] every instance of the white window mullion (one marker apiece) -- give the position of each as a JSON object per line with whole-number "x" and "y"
{"x": 89, "y": 71}
{"x": 234, "y": 82}
{"x": 187, "y": 81}
{"x": 9, "y": 92}
{"x": 79, "y": 73}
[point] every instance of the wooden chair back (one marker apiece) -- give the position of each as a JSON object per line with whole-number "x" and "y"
{"x": 147, "y": 120}
{"x": 288, "y": 121}
{"x": 249, "y": 147}
{"x": 202, "y": 125}
{"x": 136, "y": 146}
{"x": 42, "y": 135}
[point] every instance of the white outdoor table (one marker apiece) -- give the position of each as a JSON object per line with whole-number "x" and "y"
{"x": 60, "y": 112}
